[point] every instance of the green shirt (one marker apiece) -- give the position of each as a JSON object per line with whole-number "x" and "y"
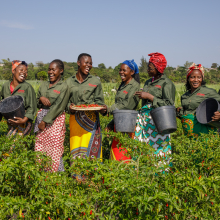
{"x": 163, "y": 91}
{"x": 191, "y": 101}
{"x": 125, "y": 98}
{"x": 25, "y": 90}
{"x": 58, "y": 96}
{"x": 87, "y": 92}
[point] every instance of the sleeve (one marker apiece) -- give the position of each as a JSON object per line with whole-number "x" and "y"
{"x": 98, "y": 95}
{"x": 215, "y": 95}
{"x": 168, "y": 96}
{"x": 130, "y": 102}
{"x": 39, "y": 105}
{"x": 58, "y": 107}
{"x": 31, "y": 103}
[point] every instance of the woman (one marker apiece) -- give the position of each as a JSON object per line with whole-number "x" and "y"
{"x": 52, "y": 99}
{"x": 125, "y": 99}
{"x": 196, "y": 93}
{"x": 85, "y": 131}
{"x": 18, "y": 86}
{"x": 158, "y": 91}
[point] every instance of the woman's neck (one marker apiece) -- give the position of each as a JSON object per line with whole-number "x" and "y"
{"x": 14, "y": 83}
{"x": 55, "y": 82}
{"x": 81, "y": 76}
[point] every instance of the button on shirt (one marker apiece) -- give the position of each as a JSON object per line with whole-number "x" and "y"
{"x": 163, "y": 91}
{"x": 58, "y": 96}
{"x": 88, "y": 92}
{"x": 25, "y": 90}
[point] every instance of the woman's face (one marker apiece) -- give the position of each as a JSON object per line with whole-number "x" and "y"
{"x": 126, "y": 73}
{"x": 85, "y": 64}
{"x": 195, "y": 79}
{"x": 20, "y": 73}
{"x": 54, "y": 72}
{"x": 152, "y": 71}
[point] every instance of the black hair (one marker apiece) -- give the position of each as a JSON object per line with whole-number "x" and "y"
{"x": 188, "y": 87}
{"x": 60, "y": 64}
{"x": 83, "y": 55}
{"x": 136, "y": 77}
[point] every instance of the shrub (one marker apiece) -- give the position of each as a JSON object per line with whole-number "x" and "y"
{"x": 42, "y": 75}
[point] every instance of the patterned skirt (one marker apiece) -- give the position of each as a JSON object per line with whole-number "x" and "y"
{"x": 51, "y": 139}
{"x": 192, "y": 128}
{"x": 146, "y": 131}
{"x": 85, "y": 135}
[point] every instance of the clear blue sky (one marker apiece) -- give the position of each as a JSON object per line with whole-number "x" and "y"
{"x": 111, "y": 31}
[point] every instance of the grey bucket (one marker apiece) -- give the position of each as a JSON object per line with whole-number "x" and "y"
{"x": 125, "y": 120}
{"x": 12, "y": 106}
{"x": 206, "y": 110}
{"x": 164, "y": 118}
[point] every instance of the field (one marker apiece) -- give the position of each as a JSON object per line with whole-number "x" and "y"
{"x": 112, "y": 190}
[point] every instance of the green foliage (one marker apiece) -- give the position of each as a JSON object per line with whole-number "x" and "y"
{"x": 214, "y": 65}
{"x": 42, "y": 75}
{"x": 101, "y": 66}
{"x": 5, "y": 71}
{"x": 143, "y": 65}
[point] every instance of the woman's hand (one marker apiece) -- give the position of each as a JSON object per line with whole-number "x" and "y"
{"x": 17, "y": 121}
{"x": 178, "y": 109}
{"x": 144, "y": 95}
{"x": 103, "y": 110}
{"x": 216, "y": 116}
{"x": 71, "y": 110}
{"x": 42, "y": 125}
{"x": 45, "y": 101}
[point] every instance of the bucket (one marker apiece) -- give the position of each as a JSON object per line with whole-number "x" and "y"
{"x": 164, "y": 118}
{"x": 206, "y": 110}
{"x": 12, "y": 106}
{"x": 125, "y": 120}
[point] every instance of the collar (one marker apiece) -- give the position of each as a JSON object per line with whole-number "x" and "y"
{"x": 163, "y": 77}
{"x": 59, "y": 83}
{"x": 89, "y": 76}
{"x": 130, "y": 83}
{"x": 17, "y": 87}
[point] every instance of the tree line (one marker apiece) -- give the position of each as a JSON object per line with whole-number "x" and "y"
{"x": 178, "y": 74}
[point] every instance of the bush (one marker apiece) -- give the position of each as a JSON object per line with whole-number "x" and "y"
{"x": 42, "y": 75}
{"x": 113, "y": 190}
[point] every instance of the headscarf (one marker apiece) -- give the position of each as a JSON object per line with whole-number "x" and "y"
{"x": 132, "y": 65}
{"x": 16, "y": 63}
{"x": 195, "y": 67}
{"x": 158, "y": 60}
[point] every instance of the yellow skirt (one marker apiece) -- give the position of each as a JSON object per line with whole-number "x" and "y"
{"x": 85, "y": 135}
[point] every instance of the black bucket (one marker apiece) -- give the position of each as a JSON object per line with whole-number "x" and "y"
{"x": 164, "y": 118}
{"x": 12, "y": 106}
{"x": 125, "y": 120}
{"x": 206, "y": 110}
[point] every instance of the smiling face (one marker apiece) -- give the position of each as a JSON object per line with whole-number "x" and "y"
{"x": 54, "y": 73}
{"x": 20, "y": 73}
{"x": 152, "y": 71}
{"x": 126, "y": 73}
{"x": 84, "y": 65}
{"x": 195, "y": 79}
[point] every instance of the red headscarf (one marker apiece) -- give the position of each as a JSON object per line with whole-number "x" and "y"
{"x": 16, "y": 63}
{"x": 195, "y": 67}
{"x": 158, "y": 60}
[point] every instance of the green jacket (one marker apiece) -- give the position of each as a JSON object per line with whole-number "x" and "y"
{"x": 163, "y": 91}
{"x": 27, "y": 92}
{"x": 125, "y": 98}
{"x": 58, "y": 95}
{"x": 87, "y": 92}
{"x": 191, "y": 101}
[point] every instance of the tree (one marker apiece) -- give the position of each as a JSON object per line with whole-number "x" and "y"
{"x": 143, "y": 65}
{"x": 6, "y": 69}
{"x": 187, "y": 64}
{"x": 214, "y": 65}
{"x": 101, "y": 66}
{"x": 42, "y": 75}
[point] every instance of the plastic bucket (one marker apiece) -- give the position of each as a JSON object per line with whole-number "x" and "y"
{"x": 164, "y": 118}
{"x": 125, "y": 120}
{"x": 12, "y": 106}
{"x": 206, "y": 110}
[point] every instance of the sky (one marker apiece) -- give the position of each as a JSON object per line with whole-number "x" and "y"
{"x": 111, "y": 31}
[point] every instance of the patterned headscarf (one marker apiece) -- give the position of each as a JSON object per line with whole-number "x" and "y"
{"x": 195, "y": 67}
{"x": 16, "y": 63}
{"x": 158, "y": 60}
{"x": 132, "y": 65}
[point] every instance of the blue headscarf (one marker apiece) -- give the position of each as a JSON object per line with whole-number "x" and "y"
{"x": 132, "y": 65}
